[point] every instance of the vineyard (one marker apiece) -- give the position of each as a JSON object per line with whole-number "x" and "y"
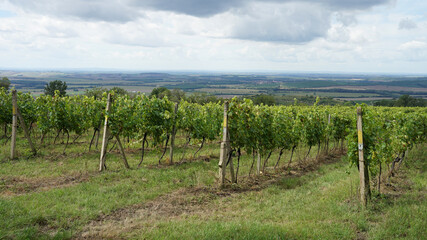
{"x": 257, "y": 137}
{"x": 258, "y": 130}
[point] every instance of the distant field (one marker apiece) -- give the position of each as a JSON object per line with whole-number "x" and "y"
{"x": 339, "y": 86}
{"x": 331, "y": 94}
{"x": 380, "y": 88}
{"x": 229, "y": 91}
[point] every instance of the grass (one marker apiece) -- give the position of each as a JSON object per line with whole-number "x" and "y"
{"x": 405, "y": 214}
{"x": 63, "y": 196}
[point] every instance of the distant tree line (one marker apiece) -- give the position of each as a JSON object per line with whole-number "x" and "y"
{"x": 268, "y": 99}
{"x": 175, "y": 95}
{"x": 402, "y": 101}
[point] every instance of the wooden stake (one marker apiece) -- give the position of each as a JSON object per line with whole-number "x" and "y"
{"x": 105, "y": 136}
{"x": 173, "y": 136}
{"x": 258, "y": 163}
{"x": 232, "y": 174}
{"x": 14, "y": 126}
{"x": 122, "y": 151}
{"x": 224, "y": 147}
{"x": 363, "y": 170}
{"x": 26, "y": 132}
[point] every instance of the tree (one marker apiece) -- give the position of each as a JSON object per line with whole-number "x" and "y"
{"x": 95, "y": 92}
{"x": 160, "y": 92}
{"x": 120, "y": 91}
{"x": 264, "y": 99}
{"x": 177, "y": 95}
{"x": 402, "y": 101}
{"x": 50, "y": 88}
{"x": 4, "y": 82}
{"x": 202, "y": 98}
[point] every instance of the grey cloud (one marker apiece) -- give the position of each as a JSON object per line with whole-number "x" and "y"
{"x": 288, "y": 21}
{"x": 296, "y": 23}
{"x": 345, "y": 18}
{"x": 351, "y": 4}
{"x": 207, "y": 8}
{"x": 127, "y": 10}
{"x": 407, "y": 24}
{"x": 198, "y": 8}
{"x": 96, "y": 10}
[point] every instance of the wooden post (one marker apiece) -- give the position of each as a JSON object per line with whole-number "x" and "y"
{"x": 105, "y": 135}
{"x": 363, "y": 170}
{"x": 17, "y": 114}
{"x": 327, "y": 137}
{"x": 224, "y": 147}
{"x": 26, "y": 132}
{"x": 258, "y": 163}
{"x": 173, "y": 136}
{"x": 122, "y": 151}
{"x": 14, "y": 125}
{"x": 232, "y": 174}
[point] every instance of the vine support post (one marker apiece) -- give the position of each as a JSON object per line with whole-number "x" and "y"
{"x": 327, "y": 137}
{"x": 363, "y": 170}
{"x": 105, "y": 136}
{"x": 224, "y": 148}
{"x": 233, "y": 177}
{"x": 258, "y": 163}
{"x": 23, "y": 125}
{"x": 122, "y": 151}
{"x": 173, "y": 135}
{"x": 14, "y": 125}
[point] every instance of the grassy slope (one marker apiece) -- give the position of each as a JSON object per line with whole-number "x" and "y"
{"x": 319, "y": 204}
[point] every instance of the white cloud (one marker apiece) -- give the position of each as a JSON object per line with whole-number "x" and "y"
{"x": 212, "y": 35}
{"x": 413, "y": 45}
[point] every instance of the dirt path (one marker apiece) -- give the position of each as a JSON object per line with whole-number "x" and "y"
{"x": 13, "y": 186}
{"x": 187, "y": 201}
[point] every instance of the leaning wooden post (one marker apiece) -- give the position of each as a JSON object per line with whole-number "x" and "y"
{"x": 22, "y": 122}
{"x": 122, "y": 151}
{"x": 224, "y": 147}
{"x": 232, "y": 173}
{"x": 14, "y": 125}
{"x": 363, "y": 171}
{"x": 105, "y": 135}
{"x": 26, "y": 132}
{"x": 173, "y": 135}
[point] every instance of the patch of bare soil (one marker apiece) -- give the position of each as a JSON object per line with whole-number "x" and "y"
{"x": 190, "y": 201}
{"x": 183, "y": 161}
{"x": 12, "y": 186}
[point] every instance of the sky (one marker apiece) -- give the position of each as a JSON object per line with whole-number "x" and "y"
{"x": 355, "y": 36}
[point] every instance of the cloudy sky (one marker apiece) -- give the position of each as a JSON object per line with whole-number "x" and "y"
{"x": 386, "y": 36}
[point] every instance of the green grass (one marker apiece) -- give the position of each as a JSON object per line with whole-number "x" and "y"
{"x": 314, "y": 204}
{"x": 405, "y": 217}
{"x": 307, "y": 207}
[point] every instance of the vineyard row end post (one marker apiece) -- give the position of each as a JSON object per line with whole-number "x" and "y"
{"x": 224, "y": 148}
{"x": 363, "y": 170}
{"x": 105, "y": 136}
